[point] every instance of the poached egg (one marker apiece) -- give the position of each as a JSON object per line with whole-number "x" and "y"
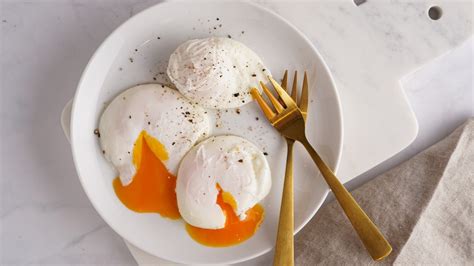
{"x": 144, "y": 132}
{"x": 216, "y": 72}
{"x": 163, "y": 113}
{"x": 227, "y": 167}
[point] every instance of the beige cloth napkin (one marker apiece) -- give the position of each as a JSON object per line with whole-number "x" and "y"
{"x": 423, "y": 207}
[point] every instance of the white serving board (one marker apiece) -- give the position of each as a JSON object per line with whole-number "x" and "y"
{"x": 369, "y": 49}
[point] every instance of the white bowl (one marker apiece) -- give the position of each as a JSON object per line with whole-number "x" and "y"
{"x": 155, "y": 33}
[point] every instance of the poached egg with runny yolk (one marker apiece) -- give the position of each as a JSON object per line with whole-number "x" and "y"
{"x": 220, "y": 180}
{"x": 144, "y": 132}
{"x": 165, "y": 115}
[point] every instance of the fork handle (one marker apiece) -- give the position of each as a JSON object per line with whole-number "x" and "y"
{"x": 375, "y": 243}
{"x": 284, "y": 250}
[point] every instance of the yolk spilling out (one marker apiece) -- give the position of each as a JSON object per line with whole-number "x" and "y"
{"x": 153, "y": 190}
{"x": 235, "y": 231}
{"x": 153, "y": 187}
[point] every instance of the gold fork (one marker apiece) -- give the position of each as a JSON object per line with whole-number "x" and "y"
{"x": 290, "y": 122}
{"x": 284, "y": 250}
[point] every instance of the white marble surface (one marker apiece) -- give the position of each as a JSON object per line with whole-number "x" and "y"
{"x": 369, "y": 49}
{"x": 45, "y": 216}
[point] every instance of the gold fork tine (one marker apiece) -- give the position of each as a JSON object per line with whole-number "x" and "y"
{"x": 263, "y": 105}
{"x": 284, "y": 81}
{"x": 283, "y": 94}
{"x": 284, "y": 85}
{"x": 278, "y": 107}
{"x": 303, "y": 103}
{"x": 295, "y": 87}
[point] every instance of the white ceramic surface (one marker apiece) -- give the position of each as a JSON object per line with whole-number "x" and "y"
{"x": 137, "y": 53}
{"x": 47, "y": 43}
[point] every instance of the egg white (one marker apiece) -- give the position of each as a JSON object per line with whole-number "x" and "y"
{"x": 216, "y": 72}
{"x": 235, "y": 164}
{"x": 163, "y": 113}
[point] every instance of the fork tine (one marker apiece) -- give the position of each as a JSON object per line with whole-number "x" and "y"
{"x": 303, "y": 103}
{"x": 294, "y": 90}
{"x": 284, "y": 85}
{"x": 284, "y": 81}
{"x": 263, "y": 105}
{"x": 273, "y": 99}
{"x": 282, "y": 93}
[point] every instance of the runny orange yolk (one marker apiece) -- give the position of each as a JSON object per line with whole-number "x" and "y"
{"x": 153, "y": 190}
{"x": 235, "y": 231}
{"x": 153, "y": 187}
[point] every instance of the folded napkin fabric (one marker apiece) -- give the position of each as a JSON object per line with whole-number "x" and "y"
{"x": 423, "y": 206}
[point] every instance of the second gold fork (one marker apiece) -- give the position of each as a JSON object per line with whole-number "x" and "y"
{"x": 284, "y": 248}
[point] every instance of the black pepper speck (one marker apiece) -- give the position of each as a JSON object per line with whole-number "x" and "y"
{"x": 97, "y": 133}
